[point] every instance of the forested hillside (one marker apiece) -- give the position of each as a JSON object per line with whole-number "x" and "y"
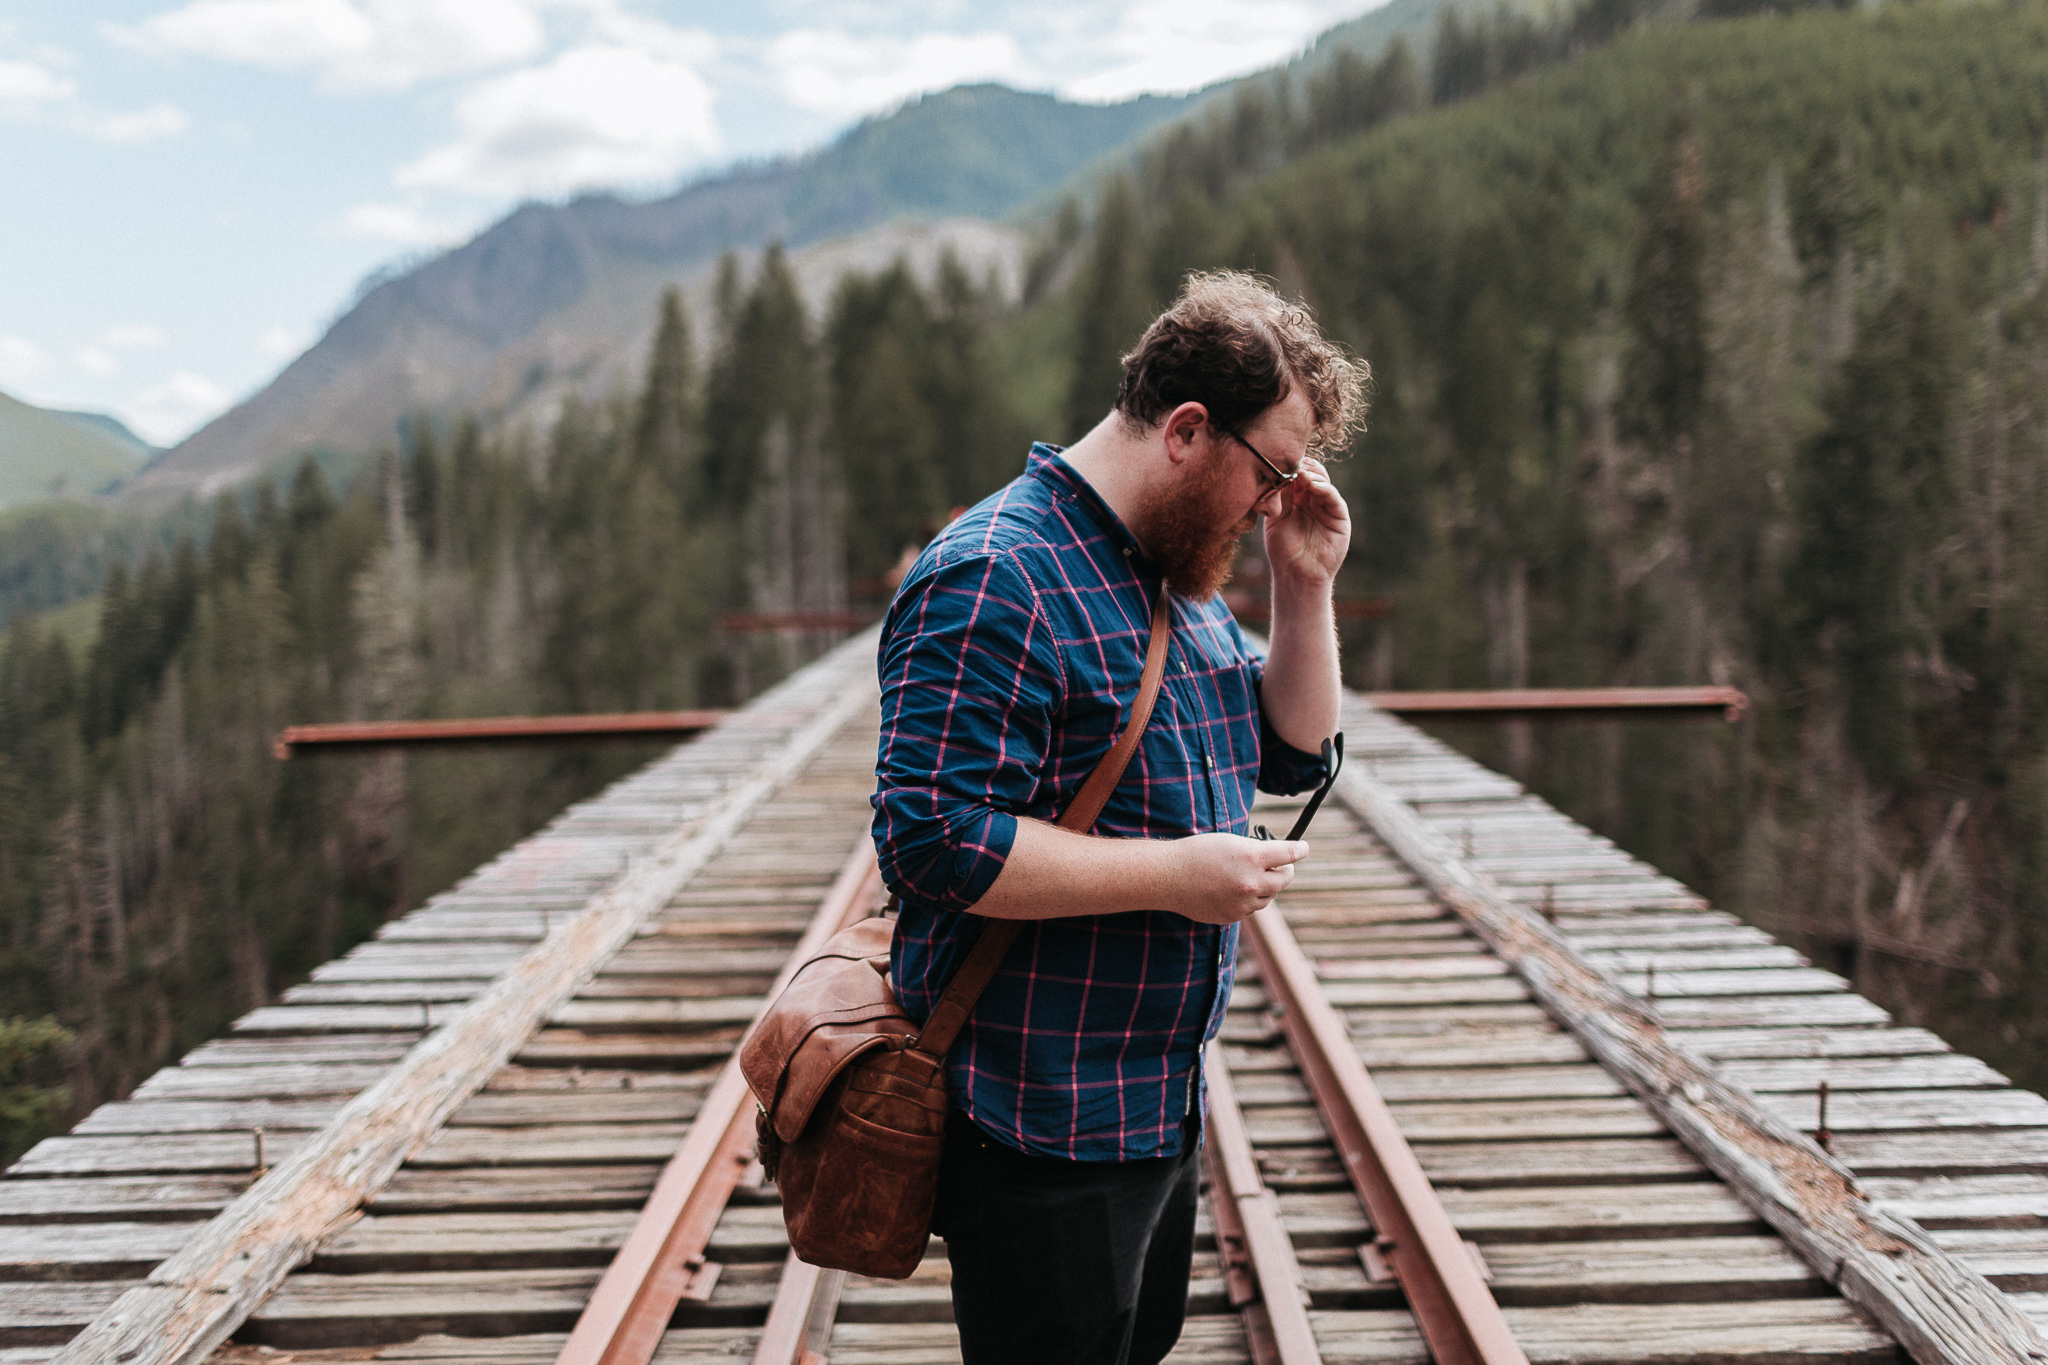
{"x": 1705, "y": 351}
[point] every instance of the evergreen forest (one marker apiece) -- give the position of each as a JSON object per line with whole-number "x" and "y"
{"x": 1708, "y": 347}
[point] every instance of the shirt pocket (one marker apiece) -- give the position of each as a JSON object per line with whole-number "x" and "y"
{"x": 1174, "y": 791}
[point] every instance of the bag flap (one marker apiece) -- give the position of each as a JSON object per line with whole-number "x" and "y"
{"x": 837, "y": 1007}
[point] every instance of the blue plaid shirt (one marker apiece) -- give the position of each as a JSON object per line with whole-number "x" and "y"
{"x": 1008, "y": 663}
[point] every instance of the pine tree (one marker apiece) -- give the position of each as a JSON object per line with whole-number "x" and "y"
{"x": 1112, "y": 312}
{"x": 1876, "y": 497}
{"x": 1664, "y": 375}
{"x": 667, "y": 417}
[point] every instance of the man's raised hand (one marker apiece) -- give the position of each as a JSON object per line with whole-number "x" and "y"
{"x": 1306, "y": 540}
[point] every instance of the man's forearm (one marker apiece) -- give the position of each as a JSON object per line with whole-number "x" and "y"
{"x": 1052, "y": 873}
{"x": 1302, "y": 692}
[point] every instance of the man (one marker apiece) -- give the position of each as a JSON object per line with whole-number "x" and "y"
{"x": 1008, "y": 664}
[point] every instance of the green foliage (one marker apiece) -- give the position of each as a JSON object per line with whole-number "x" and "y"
{"x": 30, "y": 1102}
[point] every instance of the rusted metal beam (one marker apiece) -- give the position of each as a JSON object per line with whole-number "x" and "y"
{"x": 1260, "y": 1272}
{"x": 354, "y": 735}
{"x": 1566, "y": 703}
{"x": 1460, "y": 1322}
{"x": 631, "y": 1306}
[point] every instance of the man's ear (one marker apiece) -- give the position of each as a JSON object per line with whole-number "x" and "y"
{"x": 1184, "y": 426}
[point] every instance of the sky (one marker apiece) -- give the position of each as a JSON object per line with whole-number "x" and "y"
{"x": 195, "y": 190}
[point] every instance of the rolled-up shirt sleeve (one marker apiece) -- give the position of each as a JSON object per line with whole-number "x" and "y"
{"x": 1283, "y": 769}
{"x": 969, "y": 676}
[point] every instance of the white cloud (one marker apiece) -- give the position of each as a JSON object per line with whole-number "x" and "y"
{"x": 404, "y": 224}
{"x": 26, "y": 84}
{"x": 597, "y": 116}
{"x": 282, "y": 343}
{"x": 378, "y": 44}
{"x": 166, "y": 413}
{"x": 153, "y": 124}
{"x": 1176, "y": 45}
{"x": 21, "y": 360}
{"x": 834, "y": 72}
{"x": 33, "y": 93}
{"x": 94, "y": 360}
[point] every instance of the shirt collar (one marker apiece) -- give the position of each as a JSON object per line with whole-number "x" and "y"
{"x": 1046, "y": 464}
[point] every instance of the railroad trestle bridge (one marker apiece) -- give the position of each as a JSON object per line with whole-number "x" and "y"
{"x": 1649, "y": 1132}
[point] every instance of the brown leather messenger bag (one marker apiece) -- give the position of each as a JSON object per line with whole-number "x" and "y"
{"x": 853, "y": 1094}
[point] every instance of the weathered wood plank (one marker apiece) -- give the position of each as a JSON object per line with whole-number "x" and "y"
{"x": 1971, "y": 1151}
{"x": 1415, "y": 1084}
{"x": 566, "y": 1144}
{"x": 1860, "y": 1111}
{"x": 1969, "y": 1201}
{"x": 51, "y": 1314}
{"x": 1930, "y": 1071}
{"x": 260, "y": 1082}
{"x": 88, "y": 1251}
{"x": 1826, "y": 1330}
{"x": 541, "y": 1188}
{"x": 1726, "y": 1045}
{"x": 1498, "y": 1121}
{"x": 183, "y": 1198}
{"x": 1491, "y": 1165}
{"x": 353, "y": 1310}
{"x": 161, "y": 1153}
{"x": 207, "y": 1116}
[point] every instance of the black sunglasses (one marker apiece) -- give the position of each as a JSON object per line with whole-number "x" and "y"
{"x": 1333, "y": 762}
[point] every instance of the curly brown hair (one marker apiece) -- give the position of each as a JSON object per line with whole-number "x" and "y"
{"x": 1232, "y": 344}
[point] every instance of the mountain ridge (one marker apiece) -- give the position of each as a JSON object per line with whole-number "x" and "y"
{"x": 435, "y": 334}
{"x": 48, "y": 453}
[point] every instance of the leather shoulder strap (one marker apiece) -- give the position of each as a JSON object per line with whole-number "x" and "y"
{"x": 1094, "y": 793}
{"x": 950, "y": 1015}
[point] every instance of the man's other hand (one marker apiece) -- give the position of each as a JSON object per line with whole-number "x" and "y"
{"x": 1225, "y": 877}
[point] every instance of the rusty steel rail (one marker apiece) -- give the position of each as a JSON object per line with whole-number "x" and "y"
{"x": 355, "y": 735}
{"x": 1260, "y": 1273}
{"x": 799, "y": 1326}
{"x": 662, "y": 1260}
{"x": 1566, "y": 703}
{"x": 1461, "y": 1324}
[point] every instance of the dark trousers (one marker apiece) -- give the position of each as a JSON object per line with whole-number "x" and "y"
{"x": 1065, "y": 1262}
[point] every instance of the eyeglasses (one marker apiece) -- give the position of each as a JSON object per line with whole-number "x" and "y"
{"x": 1333, "y": 763}
{"x": 1280, "y": 480}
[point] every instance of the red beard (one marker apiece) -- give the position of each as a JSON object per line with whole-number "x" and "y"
{"x": 1182, "y": 533}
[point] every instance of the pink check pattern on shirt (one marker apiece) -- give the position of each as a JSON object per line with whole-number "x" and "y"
{"x": 1009, "y": 662}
